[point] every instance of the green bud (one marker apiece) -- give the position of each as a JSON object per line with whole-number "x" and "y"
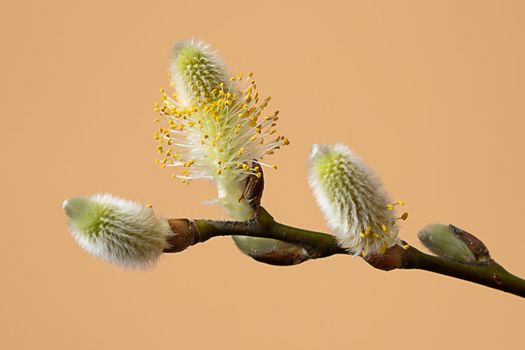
{"x": 444, "y": 241}
{"x": 271, "y": 251}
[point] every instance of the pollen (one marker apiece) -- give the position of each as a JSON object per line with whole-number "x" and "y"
{"x": 392, "y": 206}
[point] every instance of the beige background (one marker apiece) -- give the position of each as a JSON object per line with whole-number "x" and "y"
{"x": 430, "y": 93}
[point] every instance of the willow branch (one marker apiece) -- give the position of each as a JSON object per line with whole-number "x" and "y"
{"x": 321, "y": 245}
{"x": 491, "y": 275}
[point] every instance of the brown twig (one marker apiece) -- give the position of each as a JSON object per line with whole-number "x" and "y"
{"x": 321, "y": 245}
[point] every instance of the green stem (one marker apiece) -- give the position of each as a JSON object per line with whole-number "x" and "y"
{"x": 491, "y": 275}
{"x": 318, "y": 244}
{"x": 321, "y": 245}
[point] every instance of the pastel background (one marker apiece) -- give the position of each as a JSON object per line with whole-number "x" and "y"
{"x": 429, "y": 93}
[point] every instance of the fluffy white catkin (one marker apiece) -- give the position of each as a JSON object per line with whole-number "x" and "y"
{"x": 119, "y": 231}
{"x": 353, "y": 201}
{"x": 215, "y": 127}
